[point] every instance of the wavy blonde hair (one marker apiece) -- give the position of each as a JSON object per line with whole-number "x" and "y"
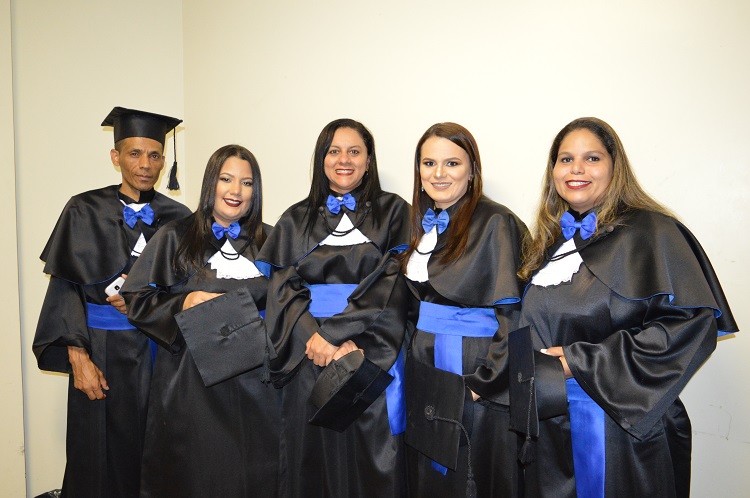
{"x": 623, "y": 194}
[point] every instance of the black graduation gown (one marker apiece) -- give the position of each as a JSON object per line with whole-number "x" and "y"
{"x": 636, "y": 321}
{"x": 202, "y": 441}
{"x": 89, "y": 248}
{"x": 481, "y": 278}
{"x": 364, "y": 460}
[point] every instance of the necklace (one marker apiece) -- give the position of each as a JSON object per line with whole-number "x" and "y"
{"x": 599, "y": 236}
{"x": 338, "y": 233}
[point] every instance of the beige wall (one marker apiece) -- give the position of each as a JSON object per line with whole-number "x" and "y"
{"x": 670, "y": 77}
{"x": 11, "y": 411}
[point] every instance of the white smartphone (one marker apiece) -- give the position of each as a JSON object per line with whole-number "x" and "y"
{"x": 114, "y": 288}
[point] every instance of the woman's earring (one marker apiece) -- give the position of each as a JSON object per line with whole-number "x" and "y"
{"x": 422, "y": 188}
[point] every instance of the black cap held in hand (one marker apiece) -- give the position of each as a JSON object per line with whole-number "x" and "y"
{"x": 537, "y": 388}
{"x": 345, "y": 389}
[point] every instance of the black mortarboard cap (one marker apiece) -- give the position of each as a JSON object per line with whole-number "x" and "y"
{"x": 226, "y": 336}
{"x": 132, "y": 123}
{"x": 345, "y": 389}
{"x": 434, "y": 411}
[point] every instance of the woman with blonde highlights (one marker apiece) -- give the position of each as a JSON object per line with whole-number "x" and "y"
{"x": 621, "y": 309}
{"x": 625, "y": 193}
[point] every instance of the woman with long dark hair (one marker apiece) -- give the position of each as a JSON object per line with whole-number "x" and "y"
{"x": 212, "y": 425}
{"x": 331, "y": 292}
{"x": 461, "y": 266}
{"x": 625, "y": 307}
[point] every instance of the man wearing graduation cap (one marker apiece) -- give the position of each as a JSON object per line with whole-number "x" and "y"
{"x": 83, "y": 329}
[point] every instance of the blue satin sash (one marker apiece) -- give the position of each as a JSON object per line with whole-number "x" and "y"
{"x": 395, "y": 396}
{"x": 587, "y": 434}
{"x": 331, "y": 299}
{"x": 450, "y": 324}
{"x": 106, "y": 317}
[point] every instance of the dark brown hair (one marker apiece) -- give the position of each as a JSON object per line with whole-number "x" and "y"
{"x": 189, "y": 254}
{"x": 319, "y": 186}
{"x": 458, "y": 229}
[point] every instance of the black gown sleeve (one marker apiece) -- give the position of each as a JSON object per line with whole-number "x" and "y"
{"x": 486, "y": 276}
{"x": 490, "y": 380}
{"x": 152, "y": 310}
{"x": 288, "y": 321}
{"x": 151, "y": 305}
{"x": 62, "y": 323}
{"x": 637, "y": 373}
{"x": 376, "y": 315}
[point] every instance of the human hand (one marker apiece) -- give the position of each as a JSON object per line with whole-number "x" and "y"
{"x": 87, "y": 377}
{"x": 345, "y": 349}
{"x": 197, "y": 297}
{"x": 319, "y": 350}
{"x": 118, "y": 301}
{"x": 558, "y": 352}
{"x": 474, "y": 395}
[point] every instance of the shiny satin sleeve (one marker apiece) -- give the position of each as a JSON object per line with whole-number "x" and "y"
{"x": 152, "y": 307}
{"x": 636, "y": 374}
{"x": 376, "y": 315}
{"x": 490, "y": 380}
{"x": 288, "y": 321}
{"x": 62, "y": 323}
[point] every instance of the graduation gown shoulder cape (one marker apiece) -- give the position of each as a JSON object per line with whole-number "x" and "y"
{"x": 485, "y": 275}
{"x": 281, "y": 252}
{"x": 88, "y": 244}
{"x": 648, "y": 310}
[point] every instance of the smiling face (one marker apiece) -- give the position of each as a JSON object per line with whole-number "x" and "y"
{"x": 444, "y": 170}
{"x": 346, "y": 161}
{"x": 234, "y": 191}
{"x": 140, "y": 161}
{"x": 583, "y": 170}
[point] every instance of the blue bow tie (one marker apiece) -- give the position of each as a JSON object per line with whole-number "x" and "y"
{"x": 334, "y": 205}
{"x": 430, "y": 220}
{"x": 569, "y": 226}
{"x": 131, "y": 216}
{"x": 233, "y": 230}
